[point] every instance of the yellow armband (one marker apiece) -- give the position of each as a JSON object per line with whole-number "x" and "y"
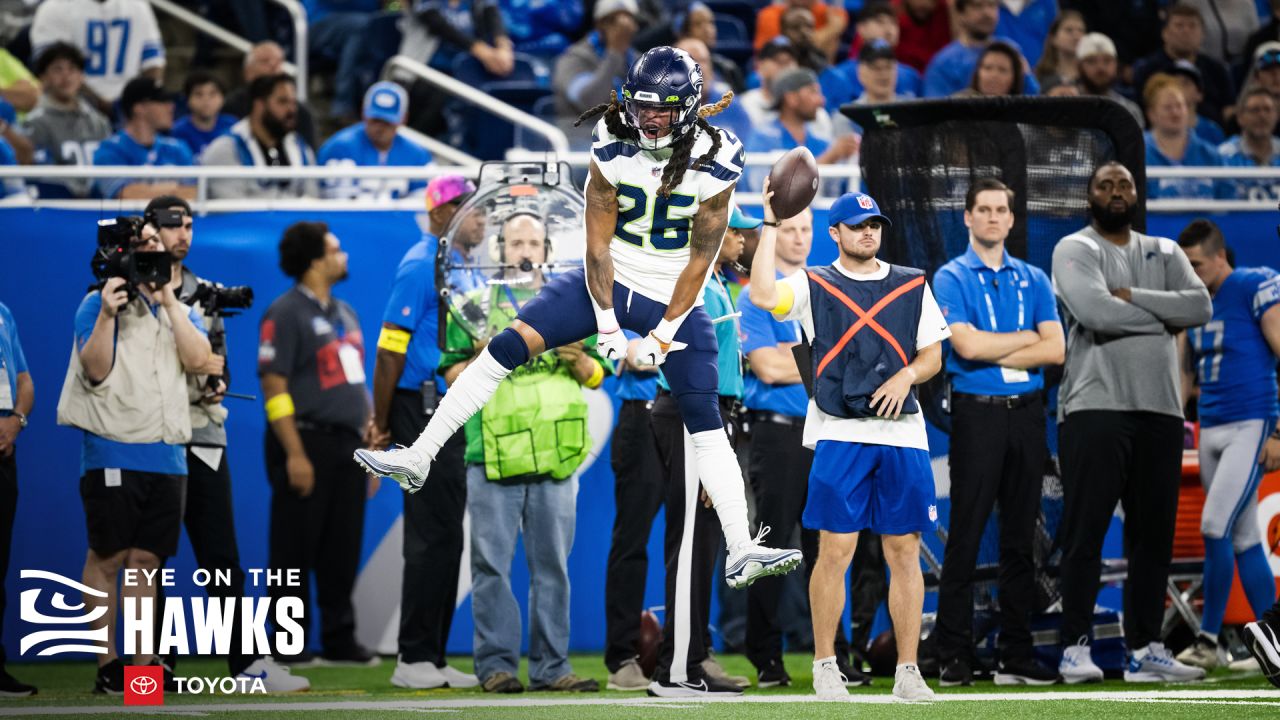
{"x": 394, "y": 340}
{"x": 786, "y": 299}
{"x": 597, "y": 376}
{"x": 279, "y": 406}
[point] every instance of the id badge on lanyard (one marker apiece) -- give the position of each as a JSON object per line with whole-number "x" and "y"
{"x": 349, "y": 357}
{"x": 1011, "y": 376}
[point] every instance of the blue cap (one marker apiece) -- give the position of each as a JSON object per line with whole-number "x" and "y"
{"x": 742, "y": 221}
{"x": 854, "y": 208}
{"x": 386, "y": 101}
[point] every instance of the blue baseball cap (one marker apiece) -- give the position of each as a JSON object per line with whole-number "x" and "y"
{"x": 742, "y": 221}
{"x": 854, "y": 208}
{"x": 386, "y": 101}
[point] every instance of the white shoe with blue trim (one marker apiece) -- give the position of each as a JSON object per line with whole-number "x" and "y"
{"x": 749, "y": 562}
{"x": 1077, "y": 664}
{"x": 1157, "y": 664}
{"x": 402, "y": 464}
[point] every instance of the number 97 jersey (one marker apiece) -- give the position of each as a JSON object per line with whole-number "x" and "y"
{"x": 1234, "y": 365}
{"x": 650, "y": 246}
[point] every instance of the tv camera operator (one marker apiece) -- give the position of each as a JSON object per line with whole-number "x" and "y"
{"x": 126, "y": 388}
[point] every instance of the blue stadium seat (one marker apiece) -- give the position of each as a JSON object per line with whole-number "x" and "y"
{"x": 544, "y": 109}
{"x": 732, "y": 39}
{"x": 479, "y": 131}
{"x": 527, "y": 68}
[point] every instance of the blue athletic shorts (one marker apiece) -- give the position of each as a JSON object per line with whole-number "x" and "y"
{"x": 855, "y": 486}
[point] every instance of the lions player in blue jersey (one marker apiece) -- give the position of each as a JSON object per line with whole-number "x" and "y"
{"x": 375, "y": 141}
{"x": 1234, "y": 360}
{"x": 661, "y": 185}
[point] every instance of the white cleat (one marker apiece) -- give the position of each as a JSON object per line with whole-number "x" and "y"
{"x": 750, "y": 561}
{"x": 404, "y": 465}
{"x": 829, "y": 682}
{"x": 1158, "y": 665}
{"x": 275, "y": 677}
{"x": 909, "y": 686}
{"x": 1077, "y": 664}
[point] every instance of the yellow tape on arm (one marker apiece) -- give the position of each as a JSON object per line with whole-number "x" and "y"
{"x": 786, "y": 299}
{"x": 394, "y": 340}
{"x": 597, "y": 376}
{"x": 279, "y": 406}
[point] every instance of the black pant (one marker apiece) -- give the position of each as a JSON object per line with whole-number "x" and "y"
{"x": 8, "y": 509}
{"x": 432, "y": 538}
{"x": 780, "y": 480}
{"x": 668, "y": 431}
{"x": 638, "y": 490}
{"x": 997, "y": 455}
{"x": 320, "y": 533}
{"x": 1134, "y": 458}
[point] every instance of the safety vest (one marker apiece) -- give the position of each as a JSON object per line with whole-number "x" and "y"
{"x": 864, "y": 333}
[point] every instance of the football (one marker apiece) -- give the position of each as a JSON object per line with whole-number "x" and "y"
{"x": 794, "y": 182}
{"x": 649, "y": 642}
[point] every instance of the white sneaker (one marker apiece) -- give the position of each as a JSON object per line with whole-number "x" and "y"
{"x": 417, "y": 676}
{"x": 1077, "y": 664}
{"x": 749, "y": 562}
{"x": 1158, "y": 665}
{"x": 828, "y": 681}
{"x": 275, "y": 677}
{"x": 908, "y": 685}
{"x": 402, "y": 464}
{"x": 455, "y": 678}
{"x": 1202, "y": 653}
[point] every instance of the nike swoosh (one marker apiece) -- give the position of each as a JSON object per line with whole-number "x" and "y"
{"x": 702, "y": 685}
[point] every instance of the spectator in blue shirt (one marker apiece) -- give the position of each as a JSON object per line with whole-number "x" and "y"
{"x": 17, "y": 396}
{"x": 1170, "y": 143}
{"x": 148, "y": 111}
{"x": 877, "y": 23}
{"x": 541, "y": 27}
{"x": 1028, "y": 25}
{"x": 1192, "y": 84}
{"x": 345, "y": 32}
{"x": 375, "y": 142}
{"x": 733, "y": 118}
{"x": 951, "y": 69}
{"x": 205, "y": 121}
{"x": 9, "y": 186}
{"x": 1255, "y": 146}
{"x": 997, "y": 73}
{"x": 797, "y": 98}
{"x": 1182, "y": 38}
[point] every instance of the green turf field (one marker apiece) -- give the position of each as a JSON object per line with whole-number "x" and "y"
{"x": 357, "y": 693}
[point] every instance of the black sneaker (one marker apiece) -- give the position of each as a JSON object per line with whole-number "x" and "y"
{"x": 170, "y": 682}
{"x": 853, "y": 677}
{"x": 704, "y": 686}
{"x": 11, "y": 687}
{"x": 1026, "y": 671}
{"x": 356, "y": 655}
{"x": 110, "y": 680}
{"x": 773, "y": 674}
{"x": 1263, "y": 640}
{"x": 306, "y": 658}
{"x": 955, "y": 673}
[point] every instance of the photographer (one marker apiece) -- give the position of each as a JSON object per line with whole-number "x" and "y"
{"x": 126, "y": 389}
{"x": 208, "y": 515}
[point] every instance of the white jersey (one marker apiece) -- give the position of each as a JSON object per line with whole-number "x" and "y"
{"x": 650, "y": 246}
{"x": 119, "y": 39}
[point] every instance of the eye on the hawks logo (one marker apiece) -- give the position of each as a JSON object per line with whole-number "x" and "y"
{"x": 864, "y": 202}
{"x": 66, "y": 639}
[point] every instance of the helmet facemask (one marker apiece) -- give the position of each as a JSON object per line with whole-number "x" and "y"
{"x": 645, "y": 112}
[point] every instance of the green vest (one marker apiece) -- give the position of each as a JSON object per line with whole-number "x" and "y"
{"x": 535, "y": 425}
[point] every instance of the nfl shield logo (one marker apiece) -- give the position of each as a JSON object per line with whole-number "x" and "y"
{"x": 864, "y": 202}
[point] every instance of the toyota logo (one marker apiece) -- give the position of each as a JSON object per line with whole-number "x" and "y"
{"x": 143, "y": 685}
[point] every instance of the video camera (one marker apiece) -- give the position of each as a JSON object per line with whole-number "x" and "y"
{"x": 116, "y": 256}
{"x": 220, "y": 300}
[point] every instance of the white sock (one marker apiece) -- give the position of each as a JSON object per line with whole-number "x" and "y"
{"x": 904, "y": 665}
{"x": 822, "y": 661}
{"x": 466, "y": 396}
{"x": 1141, "y": 652}
{"x": 720, "y": 475}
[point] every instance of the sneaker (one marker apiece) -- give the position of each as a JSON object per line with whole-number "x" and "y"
{"x": 502, "y": 683}
{"x": 306, "y": 658}
{"x": 12, "y": 687}
{"x": 703, "y": 687}
{"x": 110, "y": 678}
{"x": 955, "y": 674}
{"x": 750, "y": 561}
{"x": 404, "y": 465}
{"x": 170, "y": 682}
{"x": 417, "y": 676}
{"x": 275, "y": 677}
{"x": 629, "y": 676}
{"x": 1202, "y": 653}
{"x": 1158, "y": 665}
{"x": 829, "y": 682}
{"x": 567, "y": 683}
{"x": 1026, "y": 671}
{"x": 1077, "y": 664}
{"x": 457, "y": 679}
{"x": 909, "y": 685}
{"x": 773, "y": 674}
{"x": 712, "y": 667}
{"x": 853, "y": 677}
{"x": 354, "y": 656}
{"x": 1263, "y": 641}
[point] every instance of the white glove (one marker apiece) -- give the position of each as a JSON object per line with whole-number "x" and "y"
{"x": 612, "y": 345}
{"x": 651, "y": 352}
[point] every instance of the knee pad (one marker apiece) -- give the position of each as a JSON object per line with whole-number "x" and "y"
{"x": 509, "y": 349}
{"x": 700, "y": 411}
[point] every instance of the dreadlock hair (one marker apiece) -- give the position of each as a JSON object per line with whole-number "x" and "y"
{"x": 673, "y": 173}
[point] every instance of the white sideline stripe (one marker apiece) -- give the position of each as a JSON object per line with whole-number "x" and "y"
{"x": 1181, "y": 696}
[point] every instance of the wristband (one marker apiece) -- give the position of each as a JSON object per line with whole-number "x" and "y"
{"x": 770, "y": 224}
{"x": 665, "y": 332}
{"x": 280, "y": 406}
{"x": 597, "y": 376}
{"x": 606, "y": 320}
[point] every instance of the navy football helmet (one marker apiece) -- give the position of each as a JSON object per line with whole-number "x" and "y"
{"x": 665, "y": 79}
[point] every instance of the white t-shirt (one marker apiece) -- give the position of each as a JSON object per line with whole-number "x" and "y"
{"x": 644, "y": 217}
{"x": 119, "y": 39}
{"x": 907, "y": 430}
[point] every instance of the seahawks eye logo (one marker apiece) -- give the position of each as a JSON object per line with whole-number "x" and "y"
{"x": 59, "y": 613}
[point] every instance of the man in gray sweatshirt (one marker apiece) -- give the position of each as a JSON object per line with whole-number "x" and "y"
{"x": 1124, "y": 296}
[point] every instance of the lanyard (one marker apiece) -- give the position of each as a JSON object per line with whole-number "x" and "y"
{"x": 991, "y": 309}
{"x": 512, "y": 297}
{"x": 723, "y": 292}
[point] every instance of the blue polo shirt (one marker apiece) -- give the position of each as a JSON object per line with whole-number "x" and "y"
{"x": 121, "y": 149}
{"x": 415, "y": 306}
{"x": 12, "y": 361}
{"x": 195, "y": 138}
{"x": 719, "y": 306}
{"x": 760, "y": 329}
{"x": 98, "y": 452}
{"x": 351, "y": 146}
{"x": 1018, "y": 296}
